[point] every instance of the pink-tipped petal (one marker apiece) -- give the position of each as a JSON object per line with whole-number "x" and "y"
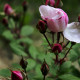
{"x": 56, "y": 18}
{"x": 16, "y": 75}
{"x": 47, "y": 11}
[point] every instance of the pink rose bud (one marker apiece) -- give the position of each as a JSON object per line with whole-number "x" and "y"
{"x": 41, "y": 26}
{"x": 47, "y": 2}
{"x": 56, "y": 18}
{"x": 8, "y": 10}
{"x": 24, "y": 4}
{"x": 5, "y": 22}
{"x": 16, "y": 75}
{"x": 79, "y": 18}
{"x": 57, "y": 48}
{"x": 52, "y": 2}
{"x": 44, "y": 68}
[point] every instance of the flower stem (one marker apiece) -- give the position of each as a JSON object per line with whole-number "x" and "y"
{"x": 47, "y": 40}
{"x": 68, "y": 51}
{"x": 56, "y": 57}
{"x": 58, "y": 37}
{"x": 52, "y": 36}
{"x": 44, "y": 78}
{"x": 62, "y": 36}
{"x": 66, "y": 44}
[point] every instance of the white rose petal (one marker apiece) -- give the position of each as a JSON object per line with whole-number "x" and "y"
{"x": 72, "y": 32}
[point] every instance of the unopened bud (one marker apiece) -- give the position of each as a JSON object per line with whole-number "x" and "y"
{"x": 5, "y": 22}
{"x": 59, "y": 3}
{"x": 41, "y": 26}
{"x": 78, "y": 18}
{"x": 16, "y": 75}
{"x": 44, "y": 68}
{"x": 23, "y": 64}
{"x": 47, "y": 2}
{"x": 24, "y": 4}
{"x": 8, "y": 10}
{"x": 52, "y": 2}
{"x": 57, "y": 48}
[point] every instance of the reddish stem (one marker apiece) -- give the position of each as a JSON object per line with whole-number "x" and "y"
{"x": 57, "y": 58}
{"x": 57, "y": 4}
{"x": 47, "y": 40}
{"x": 58, "y": 37}
{"x": 52, "y": 36}
{"x": 44, "y": 77}
{"x": 68, "y": 51}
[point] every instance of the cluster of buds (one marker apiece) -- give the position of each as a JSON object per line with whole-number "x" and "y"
{"x": 57, "y": 22}
{"x": 16, "y": 17}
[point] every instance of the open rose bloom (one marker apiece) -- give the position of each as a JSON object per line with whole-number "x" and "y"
{"x": 56, "y": 18}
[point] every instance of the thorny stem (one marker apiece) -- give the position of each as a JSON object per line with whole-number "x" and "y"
{"x": 52, "y": 36}
{"x": 68, "y": 51}
{"x": 26, "y": 74}
{"x": 22, "y": 19}
{"x": 58, "y": 37}
{"x": 44, "y": 78}
{"x": 56, "y": 58}
{"x": 62, "y": 36}
{"x": 47, "y": 40}
{"x": 66, "y": 44}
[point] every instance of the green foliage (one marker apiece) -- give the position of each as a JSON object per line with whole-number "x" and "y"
{"x": 2, "y": 28}
{"x": 25, "y": 40}
{"x": 33, "y": 52}
{"x": 8, "y": 35}
{"x": 38, "y": 71}
{"x": 65, "y": 67}
{"x": 16, "y": 66}
{"x": 31, "y": 64}
{"x": 26, "y": 30}
{"x": 11, "y": 23}
{"x": 17, "y": 49}
{"x": 73, "y": 55}
{"x": 5, "y": 73}
{"x": 68, "y": 77}
{"x": 75, "y": 71}
{"x": 35, "y": 58}
{"x": 28, "y": 18}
